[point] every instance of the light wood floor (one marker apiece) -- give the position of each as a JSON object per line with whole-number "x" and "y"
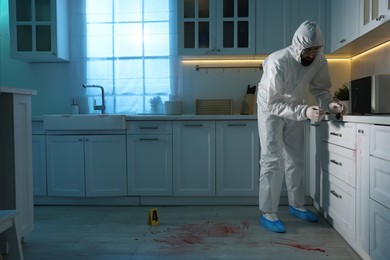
{"x": 191, "y": 232}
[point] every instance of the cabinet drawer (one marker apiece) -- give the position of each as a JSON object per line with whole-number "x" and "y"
{"x": 339, "y": 204}
{"x": 380, "y": 141}
{"x": 380, "y": 181}
{"x": 343, "y": 134}
{"x": 340, "y": 162}
{"x": 379, "y": 231}
{"x": 149, "y": 127}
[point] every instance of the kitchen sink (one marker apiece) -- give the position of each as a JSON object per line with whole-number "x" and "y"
{"x": 84, "y": 122}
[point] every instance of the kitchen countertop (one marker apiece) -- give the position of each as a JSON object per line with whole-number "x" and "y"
{"x": 177, "y": 117}
{"x": 365, "y": 119}
{"x": 21, "y": 91}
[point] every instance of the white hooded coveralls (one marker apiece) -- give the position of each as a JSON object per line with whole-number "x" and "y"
{"x": 281, "y": 111}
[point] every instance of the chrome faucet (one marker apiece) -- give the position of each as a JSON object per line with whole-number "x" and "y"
{"x": 102, "y": 107}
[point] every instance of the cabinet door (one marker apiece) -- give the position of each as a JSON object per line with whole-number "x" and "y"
{"x": 313, "y": 10}
{"x": 237, "y": 160}
{"x": 379, "y": 231}
{"x": 362, "y": 185}
{"x": 236, "y": 26}
{"x": 344, "y": 22}
{"x": 271, "y": 17}
{"x": 105, "y": 165}
{"x": 65, "y": 166}
{"x": 313, "y": 144}
{"x": 339, "y": 204}
{"x": 196, "y": 27}
{"x": 194, "y": 158}
{"x": 39, "y": 165}
{"x": 37, "y": 29}
{"x": 373, "y": 13}
{"x": 149, "y": 164}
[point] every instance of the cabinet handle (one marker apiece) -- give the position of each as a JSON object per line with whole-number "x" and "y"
{"x": 148, "y": 139}
{"x": 193, "y": 125}
{"x": 336, "y": 134}
{"x": 343, "y": 40}
{"x": 360, "y": 131}
{"x": 336, "y": 162}
{"x": 148, "y": 127}
{"x": 380, "y": 17}
{"x": 80, "y": 140}
{"x": 336, "y": 195}
{"x": 237, "y": 124}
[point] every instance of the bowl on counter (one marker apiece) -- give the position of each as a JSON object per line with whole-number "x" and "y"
{"x": 173, "y": 107}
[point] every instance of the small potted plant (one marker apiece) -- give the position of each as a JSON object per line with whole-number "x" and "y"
{"x": 156, "y": 104}
{"x": 342, "y": 94}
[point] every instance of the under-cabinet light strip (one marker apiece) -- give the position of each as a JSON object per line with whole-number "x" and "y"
{"x": 245, "y": 61}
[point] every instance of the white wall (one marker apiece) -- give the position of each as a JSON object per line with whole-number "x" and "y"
{"x": 376, "y": 61}
{"x": 58, "y": 83}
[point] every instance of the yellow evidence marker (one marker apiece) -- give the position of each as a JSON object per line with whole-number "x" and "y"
{"x": 153, "y": 218}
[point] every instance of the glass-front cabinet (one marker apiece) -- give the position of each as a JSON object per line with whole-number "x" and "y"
{"x": 208, "y": 27}
{"x": 38, "y": 30}
{"x": 373, "y": 13}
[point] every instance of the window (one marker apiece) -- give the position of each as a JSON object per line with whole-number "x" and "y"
{"x": 128, "y": 49}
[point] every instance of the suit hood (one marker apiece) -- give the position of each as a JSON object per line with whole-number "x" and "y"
{"x": 307, "y": 35}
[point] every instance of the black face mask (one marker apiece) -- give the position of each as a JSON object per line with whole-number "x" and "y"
{"x": 306, "y": 62}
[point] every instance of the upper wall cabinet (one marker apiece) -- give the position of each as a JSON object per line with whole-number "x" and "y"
{"x": 373, "y": 14}
{"x": 208, "y": 27}
{"x": 277, "y": 21}
{"x": 358, "y": 26}
{"x": 243, "y": 27}
{"x": 39, "y": 30}
{"x": 313, "y": 10}
{"x": 272, "y": 25}
{"x": 344, "y": 22}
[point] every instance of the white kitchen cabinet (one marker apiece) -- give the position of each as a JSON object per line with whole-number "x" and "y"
{"x": 39, "y": 30}
{"x": 362, "y": 188}
{"x": 65, "y": 166}
{"x": 16, "y": 188}
{"x": 194, "y": 158}
{"x": 105, "y": 165}
{"x": 379, "y": 231}
{"x": 313, "y": 144}
{"x": 216, "y": 27}
{"x": 313, "y": 10}
{"x": 379, "y": 183}
{"x": 86, "y": 165}
{"x": 345, "y": 186}
{"x": 39, "y": 164}
{"x": 149, "y": 158}
{"x": 272, "y": 16}
{"x": 237, "y": 158}
{"x": 373, "y": 13}
{"x": 344, "y": 22}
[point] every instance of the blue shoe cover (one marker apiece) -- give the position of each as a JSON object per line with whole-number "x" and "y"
{"x": 305, "y": 215}
{"x": 274, "y": 226}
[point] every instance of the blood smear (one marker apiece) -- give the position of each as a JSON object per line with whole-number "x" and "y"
{"x": 302, "y": 247}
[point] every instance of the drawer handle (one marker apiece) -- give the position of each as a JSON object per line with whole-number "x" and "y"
{"x": 336, "y": 195}
{"x": 148, "y": 127}
{"x": 336, "y": 134}
{"x": 336, "y": 162}
{"x": 237, "y": 124}
{"x": 148, "y": 139}
{"x": 193, "y": 125}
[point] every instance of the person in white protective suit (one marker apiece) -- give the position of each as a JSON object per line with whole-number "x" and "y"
{"x": 281, "y": 115}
